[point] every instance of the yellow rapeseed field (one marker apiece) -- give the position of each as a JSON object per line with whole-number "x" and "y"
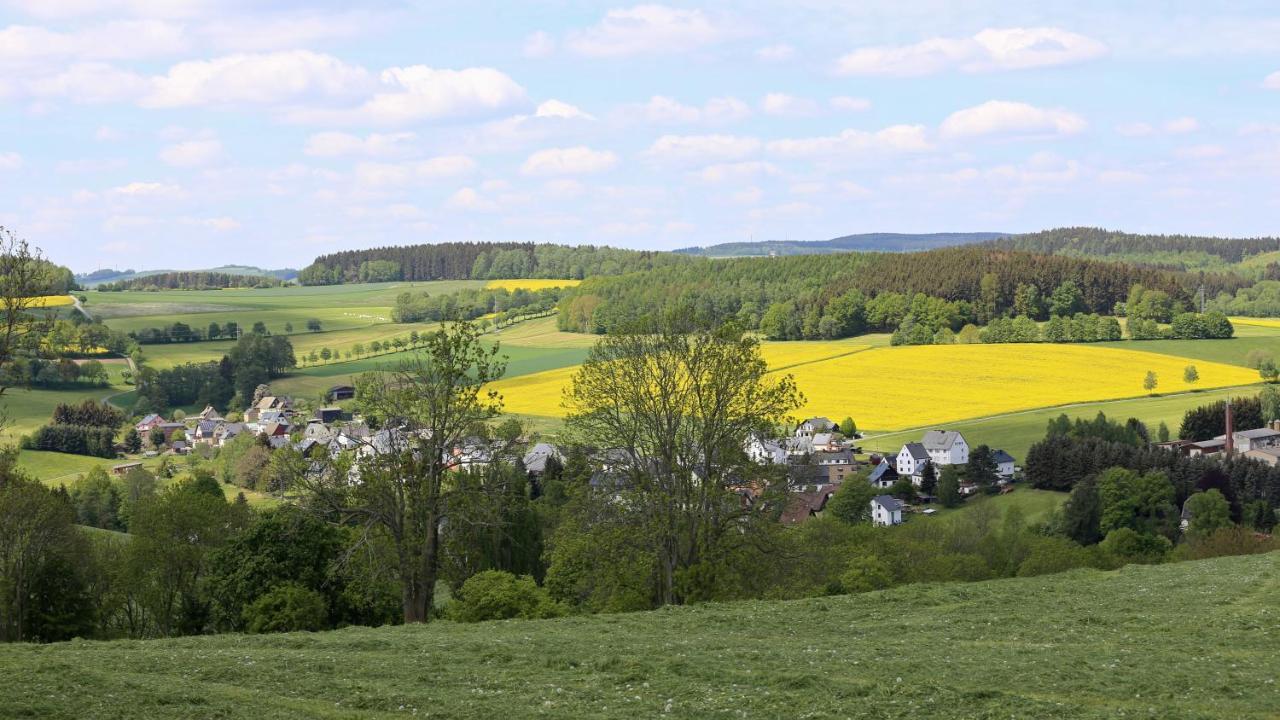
{"x": 905, "y": 387}
{"x": 529, "y": 284}
{"x": 47, "y": 301}
{"x": 1259, "y": 322}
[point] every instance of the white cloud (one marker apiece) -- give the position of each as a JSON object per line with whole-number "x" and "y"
{"x": 266, "y": 78}
{"x": 698, "y": 149}
{"x": 539, "y": 45}
{"x": 437, "y": 168}
{"x": 221, "y": 224}
{"x": 192, "y": 153}
{"x": 776, "y": 53}
{"x": 1272, "y": 81}
{"x": 580, "y": 160}
{"x": 89, "y": 83}
{"x": 468, "y": 199}
{"x": 147, "y": 189}
{"x": 726, "y": 172}
{"x": 1135, "y": 129}
{"x": 418, "y": 92}
{"x": 1178, "y": 126}
{"x": 787, "y": 105}
{"x": 557, "y": 109}
{"x": 131, "y": 39}
{"x": 662, "y": 110}
{"x": 646, "y": 29}
{"x": 335, "y": 144}
{"x": 10, "y": 161}
{"x": 1000, "y": 117}
{"x": 1201, "y": 152}
{"x": 895, "y": 138}
{"x": 849, "y": 104}
{"x": 992, "y": 49}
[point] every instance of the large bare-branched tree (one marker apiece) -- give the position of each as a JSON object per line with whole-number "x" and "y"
{"x": 675, "y": 404}
{"x": 402, "y": 479}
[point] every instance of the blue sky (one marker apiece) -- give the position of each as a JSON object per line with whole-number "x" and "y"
{"x": 192, "y": 133}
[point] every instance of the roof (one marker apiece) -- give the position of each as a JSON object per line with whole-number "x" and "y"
{"x": 888, "y": 502}
{"x": 1214, "y": 443}
{"x": 803, "y": 505}
{"x": 536, "y": 459}
{"x": 126, "y": 465}
{"x": 1256, "y": 433}
{"x": 884, "y": 468}
{"x": 336, "y": 388}
{"x": 940, "y": 439}
{"x": 1001, "y": 457}
{"x": 150, "y": 419}
{"x": 839, "y": 457}
{"x": 823, "y": 438}
{"x": 819, "y": 422}
{"x": 916, "y": 451}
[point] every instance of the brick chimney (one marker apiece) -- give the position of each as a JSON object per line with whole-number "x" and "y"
{"x": 1231, "y": 443}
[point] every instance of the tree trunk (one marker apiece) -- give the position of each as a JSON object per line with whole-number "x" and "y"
{"x": 419, "y": 582}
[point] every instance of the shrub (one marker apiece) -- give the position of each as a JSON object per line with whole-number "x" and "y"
{"x": 287, "y": 608}
{"x": 866, "y": 574}
{"x": 498, "y": 595}
{"x": 1125, "y": 545}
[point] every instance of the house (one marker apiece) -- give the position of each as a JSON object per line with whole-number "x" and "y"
{"x": 1005, "y": 464}
{"x": 145, "y": 424}
{"x": 329, "y": 414}
{"x": 535, "y": 461}
{"x": 226, "y": 432}
{"x": 884, "y": 475}
{"x": 765, "y": 452}
{"x": 180, "y": 447}
{"x": 205, "y": 430}
{"x": 886, "y": 510}
{"x": 170, "y": 428}
{"x": 946, "y": 447}
{"x": 912, "y": 459}
{"x": 271, "y": 402}
{"x": 814, "y": 425}
{"x": 340, "y": 392}
{"x": 808, "y": 503}
{"x": 826, "y": 442}
{"x": 274, "y": 430}
{"x": 124, "y": 468}
{"x": 208, "y": 414}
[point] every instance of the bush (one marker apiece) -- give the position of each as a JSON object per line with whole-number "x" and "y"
{"x": 866, "y": 574}
{"x": 1125, "y": 545}
{"x": 287, "y": 608}
{"x": 498, "y": 595}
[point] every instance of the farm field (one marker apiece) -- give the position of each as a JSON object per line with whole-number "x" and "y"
{"x": 1186, "y": 640}
{"x": 907, "y": 387}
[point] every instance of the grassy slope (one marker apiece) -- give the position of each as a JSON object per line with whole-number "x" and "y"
{"x": 1190, "y": 640}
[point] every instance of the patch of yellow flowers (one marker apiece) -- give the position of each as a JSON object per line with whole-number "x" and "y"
{"x": 529, "y": 284}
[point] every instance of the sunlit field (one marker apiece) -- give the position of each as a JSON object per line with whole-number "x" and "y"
{"x": 905, "y": 387}
{"x": 1258, "y": 322}
{"x": 529, "y": 284}
{"x": 48, "y": 301}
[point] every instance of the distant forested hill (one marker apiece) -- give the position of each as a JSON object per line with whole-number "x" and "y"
{"x": 480, "y": 261}
{"x": 192, "y": 280}
{"x": 865, "y": 242}
{"x": 107, "y": 275}
{"x": 1187, "y": 252}
{"x": 810, "y": 287}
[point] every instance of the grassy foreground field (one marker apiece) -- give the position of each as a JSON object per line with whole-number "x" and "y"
{"x": 1190, "y": 640}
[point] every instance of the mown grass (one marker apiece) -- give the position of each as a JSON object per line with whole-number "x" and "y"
{"x": 1188, "y": 640}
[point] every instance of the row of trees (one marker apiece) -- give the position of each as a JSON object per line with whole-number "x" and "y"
{"x": 85, "y": 429}
{"x": 470, "y": 304}
{"x": 180, "y": 332}
{"x": 252, "y": 361}
{"x": 479, "y": 261}
{"x": 191, "y": 280}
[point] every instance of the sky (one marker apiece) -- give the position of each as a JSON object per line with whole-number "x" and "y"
{"x": 195, "y": 133}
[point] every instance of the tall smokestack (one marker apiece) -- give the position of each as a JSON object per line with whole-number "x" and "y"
{"x": 1231, "y": 443}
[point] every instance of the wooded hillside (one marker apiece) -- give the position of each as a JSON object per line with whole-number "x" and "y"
{"x": 191, "y": 280}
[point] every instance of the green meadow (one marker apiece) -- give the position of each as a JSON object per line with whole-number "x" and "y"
{"x": 1187, "y": 640}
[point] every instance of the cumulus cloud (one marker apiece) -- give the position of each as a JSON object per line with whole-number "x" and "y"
{"x": 436, "y": 168}
{"x": 557, "y": 109}
{"x": 89, "y": 83}
{"x": 580, "y": 160}
{"x": 990, "y": 50}
{"x": 701, "y": 149}
{"x": 728, "y": 172}
{"x": 895, "y": 138}
{"x": 539, "y": 45}
{"x": 335, "y": 144}
{"x": 147, "y": 189}
{"x": 1001, "y": 117}
{"x": 1272, "y": 81}
{"x": 787, "y": 105}
{"x": 418, "y": 92}
{"x": 647, "y": 29}
{"x": 192, "y": 153}
{"x": 469, "y": 199}
{"x": 129, "y": 39}
{"x": 662, "y": 110}
{"x": 262, "y": 78}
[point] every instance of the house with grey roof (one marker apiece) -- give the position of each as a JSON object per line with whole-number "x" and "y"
{"x": 1246, "y": 440}
{"x": 764, "y": 451}
{"x": 1006, "y": 466}
{"x": 946, "y": 447}
{"x": 883, "y": 475}
{"x": 912, "y": 459}
{"x": 813, "y": 426}
{"x": 886, "y": 510}
{"x": 535, "y": 461}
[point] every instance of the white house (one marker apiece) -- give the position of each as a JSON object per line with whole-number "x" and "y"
{"x": 886, "y": 510}
{"x": 912, "y": 459}
{"x": 766, "y": 452}
{"x": 813, "y": 426}
{"x": 1005, "y": 464}
{"x": 1246, "y": 440}
{"x": 883, "y": 476}
{"x": 946, "y": 447}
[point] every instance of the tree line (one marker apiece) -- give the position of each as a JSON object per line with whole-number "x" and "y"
{"x": 479, "y": 261}
{"x": 470, "y": 304}
{"x": 191, "y": 280}
{"x": 252, "y": 361}
{"x": 1097, "y": 242}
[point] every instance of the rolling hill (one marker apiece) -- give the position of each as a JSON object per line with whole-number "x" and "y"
{"x": 107, "y": 275}
{"x": 865, "y": 242}
{"x": 1187, "y": 640}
